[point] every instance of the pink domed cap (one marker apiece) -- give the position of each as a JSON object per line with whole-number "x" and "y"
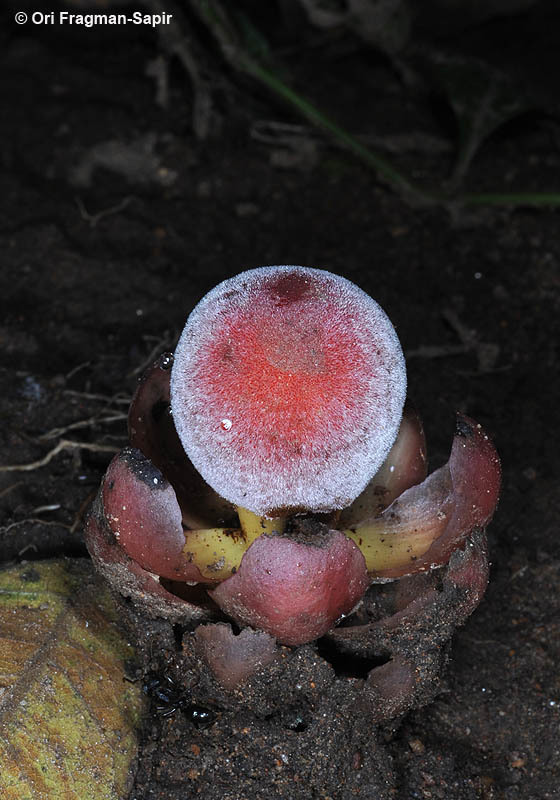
{"x": 287, "y": 389}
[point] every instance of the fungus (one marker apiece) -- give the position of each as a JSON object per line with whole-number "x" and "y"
{"x": 287, "y": 390}
{"x": 272, "y": 468}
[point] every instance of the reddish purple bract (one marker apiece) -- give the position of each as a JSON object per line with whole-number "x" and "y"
{"x": 292, "y": 589}
{"x": 144, "y": 515}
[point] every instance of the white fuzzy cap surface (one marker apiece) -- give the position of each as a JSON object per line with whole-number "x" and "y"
{"x": 287, "y": 389}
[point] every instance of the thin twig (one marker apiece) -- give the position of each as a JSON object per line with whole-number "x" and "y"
{"x": 81, "y": 511}
{"x": 216, "y": 17}
{"x": 487, "y": 353}
{"x": 83, "y": 423}
{"x": 9, "y": 488}
{"x": 34, "y": 521}
{"x": 160, "y": 346}
{"x": 178, "y": 43}
{"x": 93, "y": 219}
{"x": 50, "y": 507}
{"x": 158, "y": 69}
{"x": 64, "y": 444}
{"x": 117, "y": 399}
{"x": 24, "y": 550}
{"x": 512, "y": 199}
{"x": 76, "y": 369}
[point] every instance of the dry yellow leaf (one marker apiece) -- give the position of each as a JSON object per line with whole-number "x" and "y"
{"x": 68, "y": 717}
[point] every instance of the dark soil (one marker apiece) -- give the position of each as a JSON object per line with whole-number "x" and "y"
{"x": 103, "y": 258}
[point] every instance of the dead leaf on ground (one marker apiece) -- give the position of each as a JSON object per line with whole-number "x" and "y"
{"x": 68, "y": 717}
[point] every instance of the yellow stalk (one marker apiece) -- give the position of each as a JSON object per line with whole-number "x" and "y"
{"x": 217, "y": 552}
{"x": 386, "y": 549}
{"x": 254, "y": 526}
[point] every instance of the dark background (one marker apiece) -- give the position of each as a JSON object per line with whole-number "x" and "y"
{"x": 117, "y": 215}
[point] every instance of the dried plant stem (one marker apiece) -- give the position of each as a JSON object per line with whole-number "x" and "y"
{"x": 93, "y": 219}
{"x": 81, "y": 511}
{"x": 64, "y": 444}
{"x": 117, "y": 399}
{"x": 216, "y": 15}
{"x": 10, "y": 488}
{"x": 179, "y": 41}
{"x": 33, "y": 521}
{"x": 83, "y": 423}
{"x": 161, "y": 345}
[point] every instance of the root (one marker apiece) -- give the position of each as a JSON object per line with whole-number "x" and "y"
{"x": 64, "y": 444}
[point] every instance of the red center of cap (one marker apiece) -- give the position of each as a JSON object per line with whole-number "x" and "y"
{"x": 282, "y": 377}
